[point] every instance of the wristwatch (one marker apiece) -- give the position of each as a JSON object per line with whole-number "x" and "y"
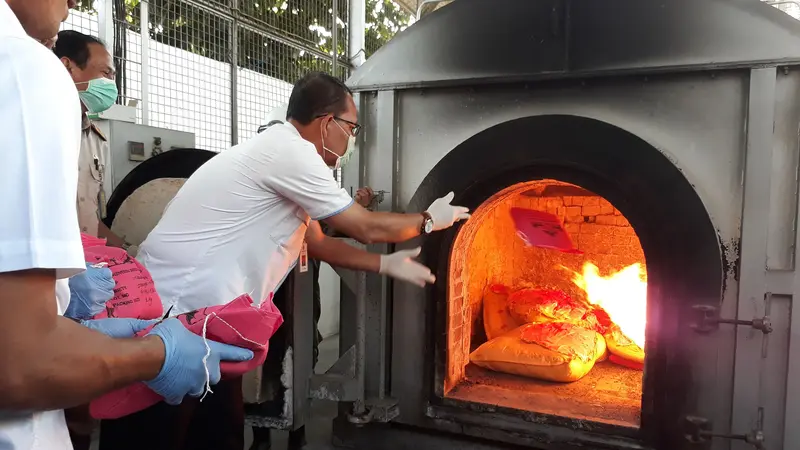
{"x": 427, "y": 223}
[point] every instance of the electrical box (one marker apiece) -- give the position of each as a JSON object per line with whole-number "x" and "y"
{"x": 130, "y": 144}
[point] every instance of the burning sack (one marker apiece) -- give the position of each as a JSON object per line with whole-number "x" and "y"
{"x": 627, "y": 352}
{"x": 135, "y": 296}
{"x": 238, "y": 323}
{"x": 496, "y": 319}
{"x": 550, "y": 305}
{"x": 554, "y": 351}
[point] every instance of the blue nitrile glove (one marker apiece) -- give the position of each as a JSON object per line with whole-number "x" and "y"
{"x": 183, "y": 372}
{"x": 89, "y": 291}
{"x": 118, "y": 328}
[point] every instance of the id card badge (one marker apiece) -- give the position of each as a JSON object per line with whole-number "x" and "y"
{"x": 304, "y": 258}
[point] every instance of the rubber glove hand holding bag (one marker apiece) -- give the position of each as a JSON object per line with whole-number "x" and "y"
{"x": 185, "y": 364}
{"x": 89, "y": 291}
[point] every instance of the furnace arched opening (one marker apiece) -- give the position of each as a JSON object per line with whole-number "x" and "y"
{"x": 588, "y": 298}
{"x": 679, "y": 242}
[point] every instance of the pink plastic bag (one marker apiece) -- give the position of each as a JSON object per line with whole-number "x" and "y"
{"x": 541, "y": 229}
{"x": 135, "y": 296}
{"x": 238, "y": 323}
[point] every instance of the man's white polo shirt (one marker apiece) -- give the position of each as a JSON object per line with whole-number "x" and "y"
{"x": 238, "y": 224}
{"x": 41, "y": 116}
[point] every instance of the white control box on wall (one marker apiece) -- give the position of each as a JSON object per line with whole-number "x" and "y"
{"x": 130, "y": 144}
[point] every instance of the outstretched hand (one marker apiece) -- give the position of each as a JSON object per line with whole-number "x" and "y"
{"x": 401, "y": 265}
{"x": 444, "y": 214}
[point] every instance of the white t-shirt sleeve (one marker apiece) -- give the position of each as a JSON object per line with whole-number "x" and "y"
{"x": 40, "y": 113}
{"x": 300, "y": 175}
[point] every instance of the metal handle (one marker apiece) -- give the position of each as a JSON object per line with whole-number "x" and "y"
{"x": 708, "y": 320}
{"x": 699, "y": 430}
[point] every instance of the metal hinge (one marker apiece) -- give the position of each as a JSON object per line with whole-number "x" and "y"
{"x": 708, "y": 320}
{"x": 699, "y": 430}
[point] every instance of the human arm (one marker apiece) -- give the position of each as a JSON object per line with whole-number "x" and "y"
{"x": 111, "y": 239}
{"x": 368, "y": 227}
{"x": 338, "y": 253}
{"x": 51, "y": 362}
{"x": 297, "y": 172}
{"x": 364, "y": 196}
{"x": 335, "y": 252}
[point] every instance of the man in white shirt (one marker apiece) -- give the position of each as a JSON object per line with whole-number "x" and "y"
{"x": 48, "y": 362}
{"x": 238, "y": 225}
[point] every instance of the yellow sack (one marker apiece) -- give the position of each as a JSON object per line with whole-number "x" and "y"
{"x": 555, "y": 351}
{"x": 620, "y": 345}
{"x": 496, "y": 319}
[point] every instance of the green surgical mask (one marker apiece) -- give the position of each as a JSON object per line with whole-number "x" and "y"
{"x": 99, "y": 95}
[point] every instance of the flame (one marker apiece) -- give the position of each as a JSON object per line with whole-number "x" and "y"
{"x": 623, "y": 295}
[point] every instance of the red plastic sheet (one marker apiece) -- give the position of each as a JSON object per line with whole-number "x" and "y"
{"x": 238, "y": 323}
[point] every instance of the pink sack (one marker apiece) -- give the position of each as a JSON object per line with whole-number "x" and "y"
{"x": 238, "y": 323}
{"x": 135, "y": 296}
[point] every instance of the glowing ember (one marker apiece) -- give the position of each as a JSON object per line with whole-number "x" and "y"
{"x": 623, "y": 295}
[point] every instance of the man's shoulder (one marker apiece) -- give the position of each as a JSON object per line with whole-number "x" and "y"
{"x": 284, "y": 133}
{"x": 24, "y": 53}
{"x": 29, "y": 70}
{"x": 94, "y": 130}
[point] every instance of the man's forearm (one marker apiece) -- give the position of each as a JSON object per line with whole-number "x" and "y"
{"x": 393, "y": 227}
{"x": 71, "y": 365}
{"x": 340, "y": 254}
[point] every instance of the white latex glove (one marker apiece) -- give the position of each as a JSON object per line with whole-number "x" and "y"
{"x": 401, "y": 266}
{"x": 444, "y": 214}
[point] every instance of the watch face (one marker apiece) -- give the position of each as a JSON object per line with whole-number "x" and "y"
{"x": 428, "y": 226}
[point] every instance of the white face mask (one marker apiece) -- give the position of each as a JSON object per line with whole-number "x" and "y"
{"x": 343, "y": 159}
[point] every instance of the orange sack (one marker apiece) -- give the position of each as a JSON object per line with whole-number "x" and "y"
{"x": 551, "y": 305}
{"x": 496, "y": 319}
{"x": 554, "y": 351}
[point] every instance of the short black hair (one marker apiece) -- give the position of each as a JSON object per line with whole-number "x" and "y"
{"x": 75, "y": 46}
{"x": 317, "y": 94}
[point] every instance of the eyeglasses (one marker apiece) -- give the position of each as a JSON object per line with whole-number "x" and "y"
{"x": 354, "y": 127}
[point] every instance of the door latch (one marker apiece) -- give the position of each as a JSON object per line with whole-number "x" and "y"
{"x": 699, "y": 430}
{"x": 708, "y": 320}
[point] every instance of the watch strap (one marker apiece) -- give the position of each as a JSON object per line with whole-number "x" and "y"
{"x": 426, "y": 216}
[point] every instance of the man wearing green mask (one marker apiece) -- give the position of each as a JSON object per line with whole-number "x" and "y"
{"x": 92, "y": 70}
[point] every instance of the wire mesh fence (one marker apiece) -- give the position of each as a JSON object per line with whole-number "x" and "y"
{"x": 84, "y": 21}
{"x": 217, "y": 67}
